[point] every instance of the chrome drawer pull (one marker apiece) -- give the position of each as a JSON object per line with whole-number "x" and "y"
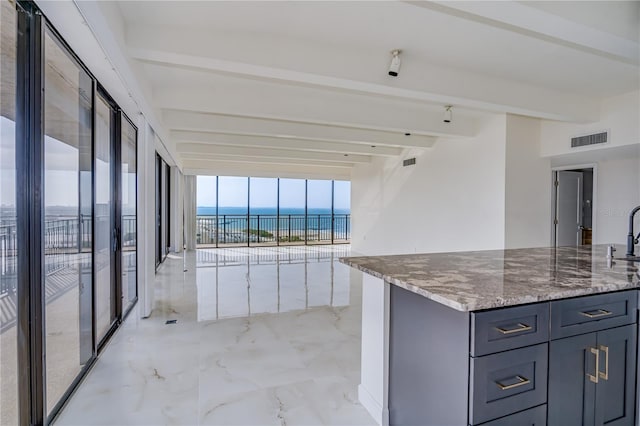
{"x": 521, "y": 382}
{"x": 596, "y": 314}
{"x": 521, "y": 327}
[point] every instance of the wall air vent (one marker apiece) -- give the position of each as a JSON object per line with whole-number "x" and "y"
{"x": 586, "y": 140}
{"x": 409, "y": 162}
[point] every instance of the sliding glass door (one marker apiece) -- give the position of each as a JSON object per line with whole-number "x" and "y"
{"x": 128, "y": 214}
{"x": 8, "y": 219}
{"x": 104, "y": 222}
{"x": 68, "y": 236}
{"x": 68, "y": 243}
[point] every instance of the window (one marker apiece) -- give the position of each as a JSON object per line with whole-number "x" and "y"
{"x": 293, "y": 196}
{"x": 263, "y": 210}
{"x": 233, "y": 209}
{"x": 68, "y": 239}
{"x": 8, "y": 235}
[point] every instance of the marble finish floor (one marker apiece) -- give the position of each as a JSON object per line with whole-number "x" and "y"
{"x": 264, "y": 336}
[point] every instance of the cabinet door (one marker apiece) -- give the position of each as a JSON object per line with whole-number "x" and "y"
{"x": 571, "y": 391}
{"x": 615, "y": 391}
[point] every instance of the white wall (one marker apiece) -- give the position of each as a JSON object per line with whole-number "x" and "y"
{"x": 618, "y": 193}
{"x": 487, "y": 192}
{"x": 528, "y": 186}
{"x": 190, "y": 195}
{"x": 617, "y": 186}
{"x": 177, "y": 209}
{"x": 146, "y": 216}
{"x": 620, "y": 115}
{"x": 451, "y": 200}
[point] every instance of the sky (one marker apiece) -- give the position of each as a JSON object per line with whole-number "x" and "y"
{"x": 264, "y": 192}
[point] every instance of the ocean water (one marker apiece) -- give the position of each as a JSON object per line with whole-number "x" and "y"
{"x": 238, "y": 220}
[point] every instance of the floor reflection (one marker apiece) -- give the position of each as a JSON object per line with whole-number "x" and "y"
{"x": 242, "y": 281}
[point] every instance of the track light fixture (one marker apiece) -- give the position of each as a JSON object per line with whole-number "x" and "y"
{"x": 448, "y": 114}
{"x": 394, "y": 68}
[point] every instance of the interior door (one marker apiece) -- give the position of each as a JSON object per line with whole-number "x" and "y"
{"x": 568, "y": 226}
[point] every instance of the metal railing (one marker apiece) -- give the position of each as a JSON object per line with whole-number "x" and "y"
{"x": 64, "y": 236}
{"x": 221, "y": 230}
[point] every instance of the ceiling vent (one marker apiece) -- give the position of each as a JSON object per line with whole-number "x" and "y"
{"x": 409, "y": 162}
{"x": 593, "y": 139}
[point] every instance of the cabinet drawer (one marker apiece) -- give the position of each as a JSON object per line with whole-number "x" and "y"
{"x": 532, "y": 417}
{"x": 510, "y": 328}
{"x": 507, "y": 382}
{"x": 581, "y": 315}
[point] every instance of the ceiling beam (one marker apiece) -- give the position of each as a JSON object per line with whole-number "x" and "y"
{"x": 530, "y": 21}
{"x": 265, "y": 160}
{"x": 445, "y": 86}
{"x": 229, "y": 168}
{"x": 204, "y": 149}
{"x": 227, "y": 124}
{"x": 242, "y": 97}
{"x": 180, "y": 137}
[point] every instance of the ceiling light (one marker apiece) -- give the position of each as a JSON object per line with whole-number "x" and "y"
{"x": 448, "y": 114}
{"x": 394, "y": 67}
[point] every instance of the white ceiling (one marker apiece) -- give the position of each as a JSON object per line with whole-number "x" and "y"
{"x": 304, "y": 85}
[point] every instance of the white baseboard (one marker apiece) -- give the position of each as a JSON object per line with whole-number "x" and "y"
{"x": 380, "y": 414}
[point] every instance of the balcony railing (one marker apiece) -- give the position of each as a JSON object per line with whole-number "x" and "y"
{"x": 64, "y": 236}
{"x": 224, "y": 230}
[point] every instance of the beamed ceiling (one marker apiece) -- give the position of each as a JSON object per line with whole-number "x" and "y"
{"x": 301, "y": 88}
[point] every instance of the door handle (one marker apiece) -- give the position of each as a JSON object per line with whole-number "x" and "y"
{"x": 605, "y": 375}
{"x": 116, "y": 239}
{"x": 594, "y": 378}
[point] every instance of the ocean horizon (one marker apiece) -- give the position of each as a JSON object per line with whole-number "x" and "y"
{"x": 211, "y": 211}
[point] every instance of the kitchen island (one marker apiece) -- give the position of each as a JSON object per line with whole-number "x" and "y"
{"x": 524, "y": 336}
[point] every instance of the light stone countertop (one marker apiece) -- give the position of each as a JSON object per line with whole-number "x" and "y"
{"x": 476, "y": 280}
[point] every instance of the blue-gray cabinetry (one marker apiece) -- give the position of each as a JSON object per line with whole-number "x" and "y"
{"x": 566, "y": 362}
{"x": 592, "y": 360}
{"x": 592, "y": 378}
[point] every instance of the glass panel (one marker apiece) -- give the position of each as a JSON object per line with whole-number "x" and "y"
{"x": 342, "y": 210}
{"x": 103, "y": 227}
{"x": 8, "y": 272}
{"x": 263, "y": 209}
{"x": 163, "y": 210}
{"x": 159, "y": 197}
{"x": 319, "y": 199}
{"x": 292, "y": 219}
{"x": 206, "y": 202}
{"x": 128, "y": 230}
{"x": 233, "y": 197}
{"x": 167, "y": 199}
{"x": 68, "y": 211}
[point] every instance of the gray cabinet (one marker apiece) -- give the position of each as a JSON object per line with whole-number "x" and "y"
{"x": 532, "y": 417}
{"x": 564, "y": 363}
{"x": 592, "y": 378}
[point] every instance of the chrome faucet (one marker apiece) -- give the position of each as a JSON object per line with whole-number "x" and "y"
{"x": 631, "y": 240}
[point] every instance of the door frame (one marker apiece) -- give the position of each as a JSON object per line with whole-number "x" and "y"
{"x": 554, "y": 198}
{"x": 114, "y": 169}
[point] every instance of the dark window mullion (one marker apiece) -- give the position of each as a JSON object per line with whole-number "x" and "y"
{"x": 30, "y": 207}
